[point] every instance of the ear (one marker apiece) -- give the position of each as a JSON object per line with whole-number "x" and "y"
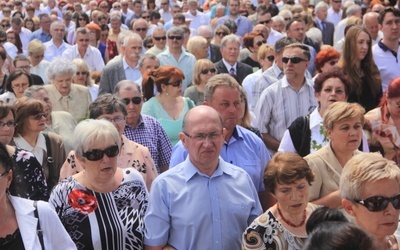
{"x": 349, "y": 207}
{"x": 206, "y": 103}
{"x": 183, "y": 139}
{"x": 9, "y": 178}
{"x": 329, "y": 133}
{"x": 317, "y": 95}
{"x": 80, "y": 160}
{"x": 224, "y": 132}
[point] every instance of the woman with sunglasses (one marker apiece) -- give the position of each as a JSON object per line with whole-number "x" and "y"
{"x": 83, "y": 77}
{"x": 220, "y": 32}
{"x": 48, "y": 148}
{"x": 39, "y": 66}
{"x": 17, "y": 82}
{"x": 204, "y": 69}
{"x": 81, "y": 20}
{"x": 101, "y": 207}
{"x": 131, "y": 154}
{"x": 370, "y": 192}
{"x": 168, "y": 106}
{"x": 253, "y": 41}
{"x": 343, "y": 123}
{"x": 325, "y": 60}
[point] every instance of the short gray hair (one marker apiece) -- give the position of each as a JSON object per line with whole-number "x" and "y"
{"x": 56, "y": 23}
{"x": 82, "y": 30}
{"x": 89, "y": 133}
{"x": 321, "y": 5}
{"x": 132, "y": 36}
{"x": 29, "y": 92}
{"x": 126, "y": 84}
{"x": 147, "y": 56}
{"x": 176, "y": 30}
{"x": 220, "y": 80}
{"x": 352, "y": 9}
{"x": 60, "y": 66}
{"x": 230, "y": 38}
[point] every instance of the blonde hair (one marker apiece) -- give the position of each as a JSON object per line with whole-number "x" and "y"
{"x": 35, "y": 46}
{"x": 264, "y": 50}
{"x": 340, "y": 111}
{"x": 198, "y": 67}
{"x": 82, "y": 66}
{"x": 195, "y": 43}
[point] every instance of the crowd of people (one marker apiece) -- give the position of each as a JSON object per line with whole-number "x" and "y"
{"x": 199, "y": 124}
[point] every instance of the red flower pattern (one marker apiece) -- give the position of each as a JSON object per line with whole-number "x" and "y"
{"x": 83, "y": 201}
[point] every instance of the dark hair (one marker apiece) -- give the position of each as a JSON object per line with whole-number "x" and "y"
{"x": 84, "y": 16}
{"x": 289, "y": 24}
{"x": 325, "y": 55}
{"x": 106, "y": 104}
{"x": 154, "y": 15}
{"x": 5, "y": 110}
{"x": 334, "y": 235}
{"x": 18, "y": 42}
{"x": 382, "y": 13}
{"x": 248, "y": 40}
{"x": 28, "y": 19}
{"x": 3, "y": 53}
{"x": 282, "y": 43}
{"x": 24, "y": 108}
{"x": 323, "y": 214}
{"x": 104, "y": 27}
{"x": 5, "y": 159}
{"x": 335, "y": 72}
{"x": 14, "y": 75}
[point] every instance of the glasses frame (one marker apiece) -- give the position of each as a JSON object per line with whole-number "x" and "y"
{"x": 294, "y": 60}
{"x": 201, "y": 137}
{"x": 135, "y": 100}
{"x": 205, "y": 71}
{"x": 10, "y": 124}
{"x": 382, "y": 200}
{"x": 160, "y": 38}
{"x": 107, "y": 151}
{"x": 175, "y": 84}
{"x": 39, "y": 116}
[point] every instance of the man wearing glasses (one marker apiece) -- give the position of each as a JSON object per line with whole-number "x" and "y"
{"x": 204, "y": 202}
{"x": 289, "y": 98}
{"x": 159, "y": 38}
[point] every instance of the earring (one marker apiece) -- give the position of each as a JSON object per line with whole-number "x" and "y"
{"x": 166, "y": 93}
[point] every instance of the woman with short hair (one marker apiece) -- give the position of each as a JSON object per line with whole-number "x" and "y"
{"x": 39, "y": 66}
{"x": 83, "y": 77}
{"x": 17, "y": 82}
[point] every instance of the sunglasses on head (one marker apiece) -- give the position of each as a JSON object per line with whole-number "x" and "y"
{"x": 294, "y": 60}
{"x": 97, "y": 154}
{"x": 135, "y": 100}
{"x": 221, "y": 33}
{"x": 175, "y": 37}
{"x": 175, "y": 84}
{"x": 271, "y": 58}
{"x": 39, "y": 116}
{"x": 205, "y": 71}
{"x": 160, "y": 38}
{"x": 380, "y": 203}
{"x": 259, "y": 43}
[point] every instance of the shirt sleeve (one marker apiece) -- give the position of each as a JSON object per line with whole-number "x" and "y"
{"x": 179, "y": 154}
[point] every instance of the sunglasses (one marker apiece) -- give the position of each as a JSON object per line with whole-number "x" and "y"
{"x": 175, "y": 84}
{"x": 160, "y": 38}
{"x": 205, "y": 71}
{"x": 221, "y": 33}
{"x": 337, "y": 1}
{"x": 39, "y": 116}
{"x": 287, "y": 19}
{"x": 149, "y": 46}
{"x": 8, "y": 124}
{"x": 175, "y": 37}
{"x": 271, "y": 58}
{"x": 141, "y": 29}
{"x": 264, "y": 22}
{"x": 81, "y": 19}
{"x": 81, "y": 73}
{"x": 3, "y": 40}
{"x": 97, "y": 154}
{"x": 294, "y": 60}
{"x": 145, "y": 17}
{"x": 135, "y": 100}
{"x": 259, "y": 43}
{"x": 380, "y": 203}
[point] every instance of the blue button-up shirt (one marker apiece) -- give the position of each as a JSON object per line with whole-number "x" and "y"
{"x": 190, "y": 210}
{"x": 41, "y": 36}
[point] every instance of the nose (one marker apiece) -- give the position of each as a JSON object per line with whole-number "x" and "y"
{"x": 207, "y": 142}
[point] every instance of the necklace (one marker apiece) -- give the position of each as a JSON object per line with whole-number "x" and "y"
{"x": 4, "y": 216}
{"x": 290, "y": 223}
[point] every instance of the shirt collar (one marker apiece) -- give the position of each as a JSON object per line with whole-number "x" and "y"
{"x": 315, "y": 118}
{"x": 228, "y": 66}
{"x": 126, "y": 66}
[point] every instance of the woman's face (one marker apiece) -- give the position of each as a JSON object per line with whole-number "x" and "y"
{"x": 117, "y": 119}
{"x": 92, "y": 37}
{"x": 7, "y": 132}
{"x": 104, "y": 35}
{"x": 329, "y": 65}
{"x": 206, "y": 73}
{"x": 102, "y": 21}
{"x": 80, "y": 77}
{"x": 202, "y": 51}
{"x": 11, "y": 38}
{"x": 82, "y": 22}
{"x": 219, "y": 34}
{"x": 5, "y": 181}
{"x": 35, "y": 123}
{"x": 63, "y": 83}
{"x": 380, "y": 223}
{"x": 19, "y": 85}
{"x": 29, "y": 25}
{"x": 36, "y": 58}
{"x": 268, "y": 60}
{"x": 363, "y": 43}
{"x": 257, "y": 42}
{"x": 173, "y": 88}
{"x": 43, "y": 96}
{"x": 346, "y": 135}
{"x": 333, "y": 90}
{"x": 293, "y": 198}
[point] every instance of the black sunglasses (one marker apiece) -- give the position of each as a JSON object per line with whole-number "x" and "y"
{"x": 259, "y": 43}
{"x": 380, "y": 203}
{"x": 205, "y": 71}
{"x": 97, "y": 154}
{"x": 271, "y": 58}
{"x": 221, "y": 33}
{"x": 160, "y": 38}
{"x": 141, "y": 29}
{"x": 175, "y": 84}
{"x": 264, "y": 22}
{"x": 175, "y": 37}
{"x": 3, "y": 40}
{"x": 39, "y": 116}
{"x": 134, "y": 100}
{"x": 294, "y": 60}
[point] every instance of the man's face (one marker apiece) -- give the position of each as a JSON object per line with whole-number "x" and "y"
{"x": 116, "y": 25}
{"x": 176, "y": 10}
{"x": 296, "y": 31}
{"x": 140, "y": 27}
{"x": 322, "y": 14}
{"x": 278, "y": 26}
{"x": 132, "y": 50}
{"x": 82, "y": 41}
{"x": 265, "y": 20}
{"x": 372, "y": 25}
{"x": 160, "y": 38}
{"x": 207, "y": 35}
{"x": 230, "y": 52}
{"x": 177, "y": 22}
{"x": 24, "y": 65}
{"x": 192, "y": 7}
{"x": 234, "y": 7}
{"x": 175, "y": 40}
{"x": 294, "y": 70}
{"x": 391, "y": 27}
{"x": 164, "y": 5}
{"x": 137, "y": 8}
{"x": 148, "y": 64}
{"x": 132, "y": 108}
{"x": 45, "y": 24}
{"x": 57, "y": 32}
{"x": 124, "y": 6}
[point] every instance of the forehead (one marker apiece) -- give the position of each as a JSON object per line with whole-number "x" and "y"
{"x": 81, "y": 35}
{"x": 231, "y": 44}
{"x": 140, "y": 24}
{"x": 296, "y": 25}
{"x": 21, "y": 63}
{"x": 129, "y": 92}
{"x": 134, "y": 42}
{"x": 226, "y": 94}
{"x": 390, "y": 16}
{"x": 293, "y": 52}
{"x": 159, "y": 32}
{"x": 150, "y": 62}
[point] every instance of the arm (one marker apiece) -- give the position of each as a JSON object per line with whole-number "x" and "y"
{"x": 270, "y": 141}
{"x": 332, "y": 200}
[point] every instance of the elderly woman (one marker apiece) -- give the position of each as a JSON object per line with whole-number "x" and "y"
{"x": 382, "y": 123}
{"x": 131, "y": 154}
{"x": 204, "y": 69}
{"x": 168, "y": 107}
{"x": 343, "y": 123}
{"x": 325, "y": 60}
{"x": 197, "y": 45}
{"x": 21, "y": 218}
{"x": 64, "y": 95}
{"x": 370, "y": 192}
{"x": 48, "y": 148}
{"x": 110, "y": 202}
{"x": 17, "y": 82}
{"x": 283, "y": 226}
{"x": 59, "y": 122}
{"x": 253, "y": 41}
{"x": 39, "y": 66}
{"x": 83, "y": 77}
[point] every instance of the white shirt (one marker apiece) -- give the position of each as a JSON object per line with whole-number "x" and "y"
{"x": 25, "y": 36}
{"x": 334, "y": 17}
{"x": 92, "y": 57}
{"x": 274, "y": 36}
{"x": 339, "y": 31}
{"x": 248, "y": 83}
{"x": 52, "y": 50}
{"x": 40, "y": 70}
{"x": 198, "y": 20}
{"x": 37, "y": 151}
{"x": 131, "y": 73}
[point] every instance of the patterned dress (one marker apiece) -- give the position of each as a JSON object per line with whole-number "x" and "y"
{"x": 95, "y": 220}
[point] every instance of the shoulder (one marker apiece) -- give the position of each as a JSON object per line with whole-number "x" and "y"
{"x": 55, "y": 137}
{"x": 114, "y": 63}
{"x": 249, "y": 136}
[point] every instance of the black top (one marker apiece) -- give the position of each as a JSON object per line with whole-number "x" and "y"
{"x": 251, "y": 62}
{"x": 12, "y": 241}
{"x": 367, "y": 99}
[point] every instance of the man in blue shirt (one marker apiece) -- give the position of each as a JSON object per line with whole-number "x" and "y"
{"x": 242, "y": 147}
{"x": 204, "y": 202}
{"x": 42, "y": 34}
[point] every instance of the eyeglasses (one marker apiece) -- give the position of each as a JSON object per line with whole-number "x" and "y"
{"x": 145, "y": 17}
{"x": 3, "y": 40}
{"x": 18, "y": 86}
{"x": 202, "y": 137}
{"x": 294, "y": 60}
{"x": 135, "y": 100}
{"x": 271, "y": 58}
{"x": 141, "y": 29}
{"x": 149, "y": 46}
{"x": 287, "y": 18}
{"x": 332, "y": 63}
{"x": 175, "y": 37}
{"x": 8, "y": 124}
{"x": 380, "y": 203}
{"x": 82, "y": 73}
{"x": 160, "y": 38}
{"x": 164, "y": 3}
{"x": 38, "y": 56}
{"x": 81, "y": 19}
{"x": 98, "y": 154}
{"x": 175, "y": 84}
{"x": 39, "y": 116}
{"x": 115, "y": 120}
{"x": 265, "y": 22}
{"x": 27, "y": 67}
{"x": 221, "y": 33}
{"x": 259, "y": 43}
{"x": 117, "y": 6}
{"x": 205, "y": 71}
{"x": 4, "y": 173}
{"x": 397, "y": 104}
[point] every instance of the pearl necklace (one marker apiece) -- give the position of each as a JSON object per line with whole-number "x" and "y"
{"x": 290, "y": 223}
